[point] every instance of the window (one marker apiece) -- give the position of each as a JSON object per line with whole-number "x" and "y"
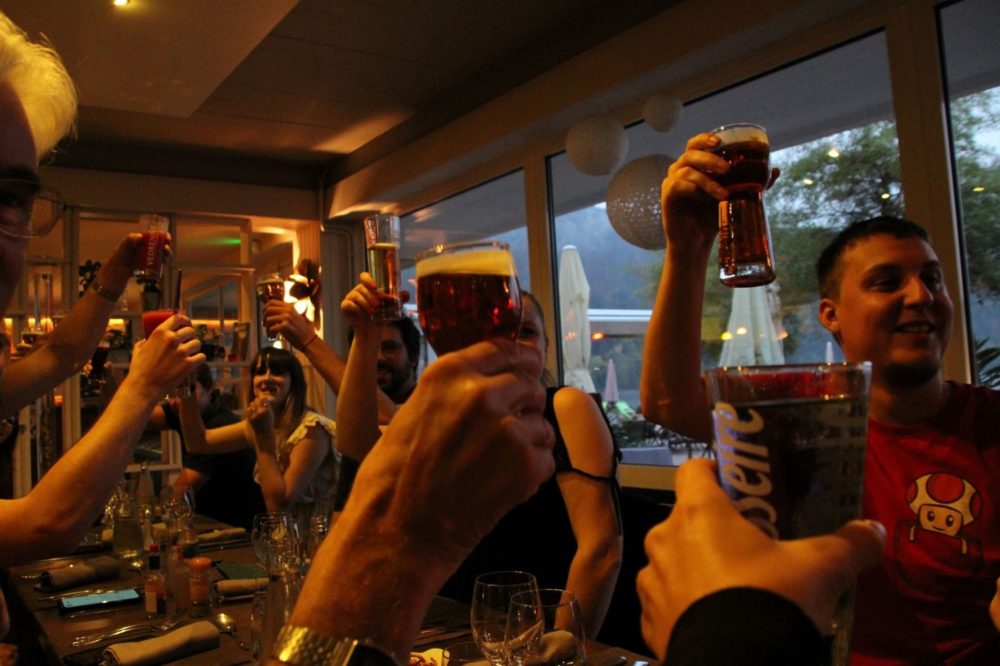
{"x": 829, "y": 119}
{"x": 494, "y": 210}
{"x": 972, "y": 70}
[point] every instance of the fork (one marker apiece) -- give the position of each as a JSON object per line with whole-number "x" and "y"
{"x": 88, "y": 640}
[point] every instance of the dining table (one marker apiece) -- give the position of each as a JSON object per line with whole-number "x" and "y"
{"x": 56, "y": 629}
{"x": 446, "y": 621}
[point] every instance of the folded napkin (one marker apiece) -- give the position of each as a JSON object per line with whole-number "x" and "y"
{"x": 189, "y": 639}
{"x": 228, "y": 534}
{"x": 240, "y": 587}
{"x": 91, "y": 570}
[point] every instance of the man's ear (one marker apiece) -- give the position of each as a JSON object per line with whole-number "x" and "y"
{"x": 828, "y": 317}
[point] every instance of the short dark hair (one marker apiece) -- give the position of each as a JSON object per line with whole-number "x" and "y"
{"x": 203, "y": 375}
{"x": 281, "y": 361}
{"x": 410, "y": 335}
{"x": 827, "y": 273}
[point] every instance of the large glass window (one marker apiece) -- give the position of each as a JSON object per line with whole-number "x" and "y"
{"x": 832, "y": 133}
{"x": 972, "y": 69}
{"x": 494, "y": 210}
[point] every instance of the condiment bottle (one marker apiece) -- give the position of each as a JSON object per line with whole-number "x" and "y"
{"x": 154, "y": 587}
{"x": 201, "y": 597}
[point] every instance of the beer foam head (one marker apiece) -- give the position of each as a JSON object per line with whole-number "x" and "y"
{"x": 476, "y": 261}
{"x": 741, "y": 133}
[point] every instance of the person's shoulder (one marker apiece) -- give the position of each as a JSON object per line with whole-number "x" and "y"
{"x": 980, "y": 397}
{"x": 312, "y": 421}
{"x": 569, "y": 400}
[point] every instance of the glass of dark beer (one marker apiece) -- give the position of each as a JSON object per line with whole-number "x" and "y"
{"x": 790, "y": 443}
{"x": 745, "y": 255}
{"x": 467, "y": 292}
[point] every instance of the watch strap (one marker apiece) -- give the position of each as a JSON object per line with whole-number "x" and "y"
{"x": 104, "y": 292}
{"x": 301, "y": 646}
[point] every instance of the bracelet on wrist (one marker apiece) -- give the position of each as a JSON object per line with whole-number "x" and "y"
{"x": 308, "y": 342}
{"x": 301, "y": 646}
{"x": 104, "y": 292}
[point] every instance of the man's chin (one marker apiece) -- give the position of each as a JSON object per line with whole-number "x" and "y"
{"x": 911, "y": 375}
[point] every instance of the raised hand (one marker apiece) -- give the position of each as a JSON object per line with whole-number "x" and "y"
{"x": 161, "y": 361}
{"x": 706, "y": 545}
{"x": 282, "y": 318}
{"x": 360, "y": 303}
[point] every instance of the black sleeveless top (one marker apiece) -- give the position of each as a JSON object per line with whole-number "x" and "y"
{"x": 535, "y": 536}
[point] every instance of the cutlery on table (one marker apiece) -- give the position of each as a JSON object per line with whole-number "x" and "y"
{"x": 88, "y": 640}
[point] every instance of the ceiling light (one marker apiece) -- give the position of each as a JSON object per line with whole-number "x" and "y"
{"x": 885, "y": 195}
{"x": 597, "y": 336}
{"x": 726, "y": 335}
{"x": 808, "y": 181}
{"x": 119, "y": 3}
{"x": 834, "y": 153}
{"x": 979, "y": 189}
{"x": 741, "y": 330}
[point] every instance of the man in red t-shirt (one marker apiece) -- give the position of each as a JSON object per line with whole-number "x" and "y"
{"x": 933, "y": 466}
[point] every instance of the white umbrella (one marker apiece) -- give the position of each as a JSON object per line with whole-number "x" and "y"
{"x": 574, "y": 302}
{"x": 611, "y": 383}
{"x": 753, "y": 337}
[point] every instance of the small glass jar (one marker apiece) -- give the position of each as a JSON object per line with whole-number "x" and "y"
{"x": 201, "y": 589}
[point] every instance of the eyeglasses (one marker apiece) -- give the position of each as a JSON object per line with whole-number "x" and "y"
{"x": 28, "y": 209}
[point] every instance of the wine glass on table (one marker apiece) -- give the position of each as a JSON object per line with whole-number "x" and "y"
{"x": 467, "y": 292}
{"x": 545, "y": 628}
{"x": 275, "y": 541}
{"x": 491, "y": 597}
{"x": 271, "y": 287}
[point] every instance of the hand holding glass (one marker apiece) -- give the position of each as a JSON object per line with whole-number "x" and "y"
{"x": 271, "y": 287}
{"x": 790, "y": 442}
{"x": 382, "y": 243}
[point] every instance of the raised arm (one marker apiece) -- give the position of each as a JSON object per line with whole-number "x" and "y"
{"x": 282, "y": 318}
{"x": 357, "y": 408}
{"x": 671, "y": 389}
{"x": 198, "y": 439}
{"x": 473, "y": 412}
{"x": 592, "y": 508}
{"x": 706, "y": 548}
{"x": 53, "y": 517}
{"x": 73, "y": 342}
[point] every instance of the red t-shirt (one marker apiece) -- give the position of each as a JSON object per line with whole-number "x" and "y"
{"x": 936, "y": 488}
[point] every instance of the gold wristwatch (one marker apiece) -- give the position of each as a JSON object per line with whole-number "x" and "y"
{"x": 301, "y": 646}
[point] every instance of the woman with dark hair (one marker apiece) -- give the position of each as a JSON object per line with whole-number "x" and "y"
{"x": 569, "y": 533}
{"x": 296, "y": 460}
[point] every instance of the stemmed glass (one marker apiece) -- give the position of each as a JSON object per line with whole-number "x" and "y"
{"x": 276, "y": 543}
{"x": 177, "y": 509}
{"x": 491, "y": 597}
{"x": 545, "y": 628}
{"x": 271, "y": 287}
{"x": 467, "y": 292}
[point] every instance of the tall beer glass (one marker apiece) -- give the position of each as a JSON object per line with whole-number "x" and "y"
{"x": 745, "y": 255}
{"x": 271, "y": 287}
{"x": 382, "y": 244}
{"x": 467, "y": 292}
{"x": 790, "y": 442}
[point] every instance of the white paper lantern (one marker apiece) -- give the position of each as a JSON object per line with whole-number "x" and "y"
{"x": 597, "y": 145}
{"x": 661, "y": 111}
{"x": 633, "y": 201}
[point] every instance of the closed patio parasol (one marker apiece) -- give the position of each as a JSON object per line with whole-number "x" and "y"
{"x": 753, "y": 338}
{"x": 574, "y": 303}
